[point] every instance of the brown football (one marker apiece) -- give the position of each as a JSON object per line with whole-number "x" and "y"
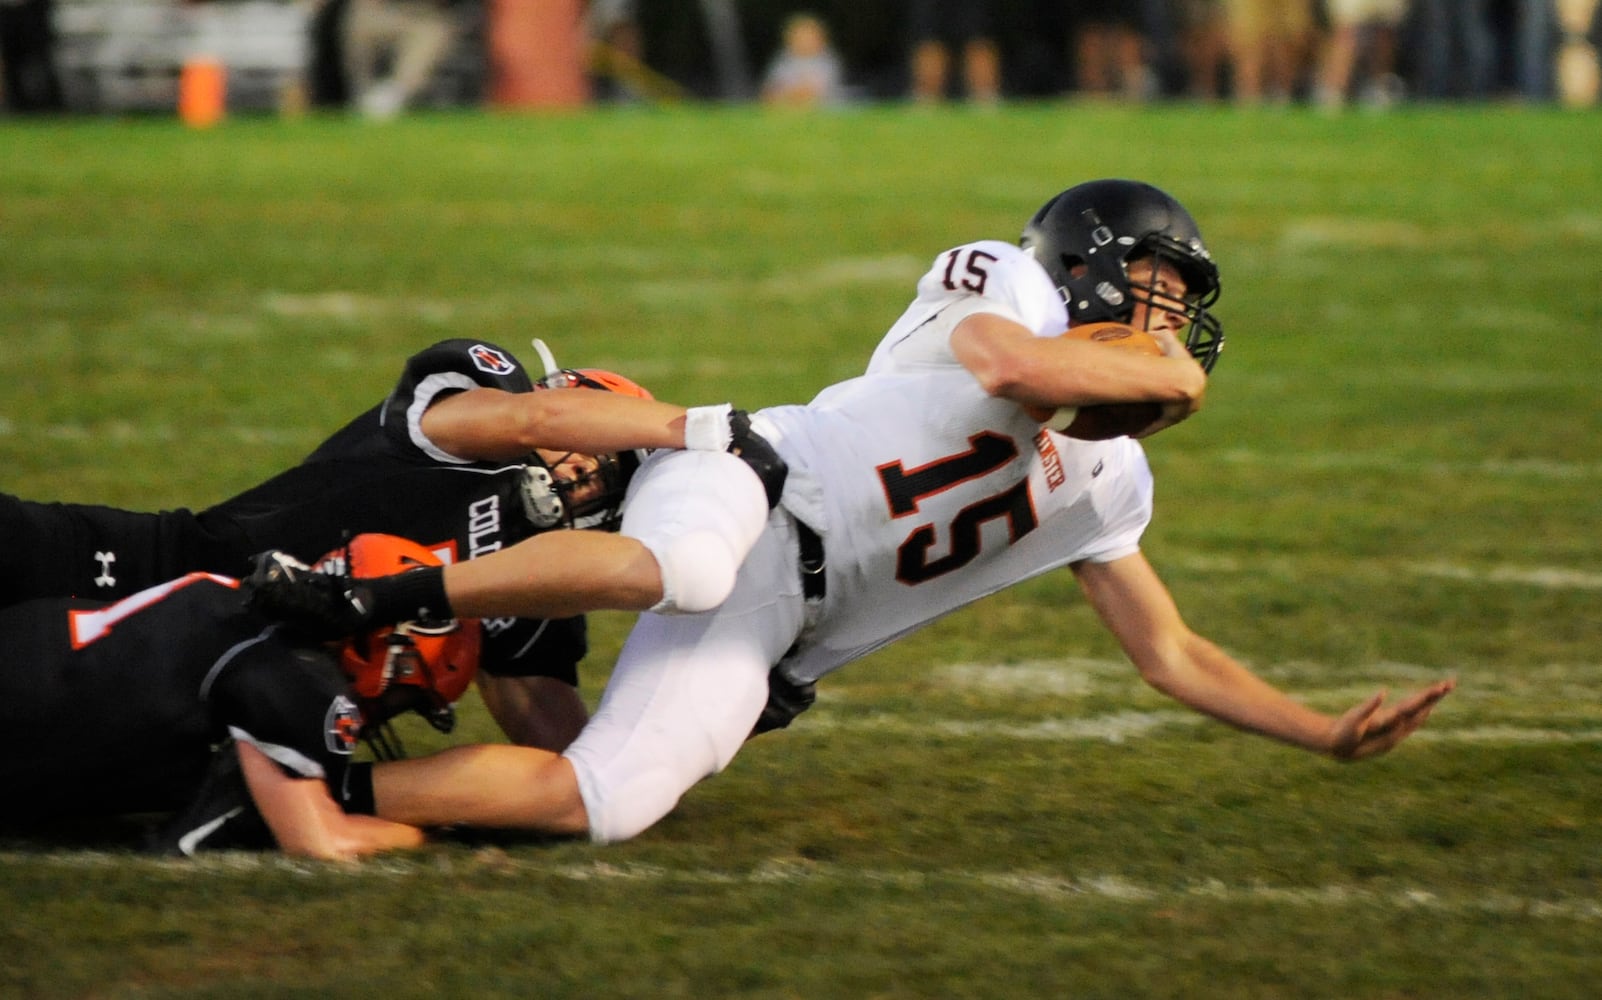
{"x": 1106, "y": 420}
{"x": 1116, "y": 335}
{"x": 1110, "y": 420}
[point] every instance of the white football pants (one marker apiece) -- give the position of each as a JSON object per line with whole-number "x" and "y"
{"x": 688, "y": 688}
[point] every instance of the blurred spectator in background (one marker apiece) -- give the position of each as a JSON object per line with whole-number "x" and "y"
{"x": 806, "y": 71}
{"x": 1535, "y": 35}
{"x": 940, "y": 27}
{"x": 1109, "y": 49}
{"x": 538, "y": 54}
{"x": 1578, "y": 72}
{"x": 1457, "y": 56}
{"x": 325, "y": 67}
{"x": 1203, "y": 46}
{"x": 616, "y": 48}
{"x": 27, "y": 56}
{"x": 1367, "y": 30}
{"x": 1268, "y": 43}
{"x": 391, "y": 49}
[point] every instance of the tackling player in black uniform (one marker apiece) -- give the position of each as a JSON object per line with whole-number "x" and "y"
{"x": 178, "y": 700}
{"x": 463, "y": 456}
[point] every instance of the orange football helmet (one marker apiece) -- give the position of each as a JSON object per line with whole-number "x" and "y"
{"x": 421, "y": 666}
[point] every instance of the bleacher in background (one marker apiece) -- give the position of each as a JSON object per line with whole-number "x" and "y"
{"x": 125, "y": 55}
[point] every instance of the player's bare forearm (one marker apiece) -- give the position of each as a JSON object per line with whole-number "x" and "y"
{"x": 495, "y": 425}
{"x": 555, "y": 575}
{"x": 1135, "y": 606}
{"x": 306, "y": 821}
{"x": 488, "y": 785}
{"x": 1206, "y": 679}
{"x": 1215, "y": 684}
{"x": 1011, "y": 362}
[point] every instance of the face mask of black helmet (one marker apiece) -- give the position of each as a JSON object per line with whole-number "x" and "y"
{"x": 549, "y": 501}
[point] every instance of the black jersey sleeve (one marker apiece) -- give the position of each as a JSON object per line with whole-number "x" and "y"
{"x": 291, "y": 702}
{"x": 447, "y": 367}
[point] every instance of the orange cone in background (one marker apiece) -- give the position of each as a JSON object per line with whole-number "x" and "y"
{"x": 202, "y": 92}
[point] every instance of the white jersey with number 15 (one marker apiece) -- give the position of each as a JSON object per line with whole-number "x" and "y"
{"x": 929, "y": 493}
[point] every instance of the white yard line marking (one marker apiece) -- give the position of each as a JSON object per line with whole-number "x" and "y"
{"x": 121, "y": 430}
{"x": 1545, "y": 577}
{"x": 355, "y": 307}
{"x": 1508, "y": 735}
{"x": 1116, "y": 727}
{"x": 1533, "y": 468}
{"x": 1051, "y": 887}
{"x": 1121, "y": 727}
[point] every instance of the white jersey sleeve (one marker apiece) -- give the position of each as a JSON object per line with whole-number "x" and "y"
{"x": 988, "y": 276}
{"x": 929, "y": 493}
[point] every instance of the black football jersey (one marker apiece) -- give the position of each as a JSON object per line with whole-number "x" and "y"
{"x": 116, "y": 708}
{"x": 376, "y": 474}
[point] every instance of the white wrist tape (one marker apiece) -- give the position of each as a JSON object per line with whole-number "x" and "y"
{"x": 706, "y": 428}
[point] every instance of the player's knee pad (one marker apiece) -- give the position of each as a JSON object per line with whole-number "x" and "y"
{"x": 698, "y": 571}
{"x": 699, "y": 514}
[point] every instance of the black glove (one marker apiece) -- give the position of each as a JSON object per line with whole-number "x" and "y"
{"x": 756, "y": 452}
{"x": 316, "y": 604}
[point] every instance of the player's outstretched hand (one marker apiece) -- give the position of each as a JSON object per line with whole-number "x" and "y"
{"x": 1371, "y": 728}
{"x": 316, "y": 604}
{"x": 756, "y": 452}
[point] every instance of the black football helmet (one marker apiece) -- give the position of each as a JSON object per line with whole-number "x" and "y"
{"x": 547, "y": 500}
{"x": 1086, "y": 236}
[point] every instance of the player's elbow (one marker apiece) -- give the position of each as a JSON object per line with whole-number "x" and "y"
{"x": 999, "y": 353}
{"x": 1162, "y": 666}
{"x": 1003, "y": 381}
{"x": 1004, "y": 374}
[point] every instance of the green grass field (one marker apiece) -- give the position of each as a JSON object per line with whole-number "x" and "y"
{"x": 1396, "y": 478}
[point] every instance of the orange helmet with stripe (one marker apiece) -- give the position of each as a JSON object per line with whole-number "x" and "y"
{"x": 421, "y": 666}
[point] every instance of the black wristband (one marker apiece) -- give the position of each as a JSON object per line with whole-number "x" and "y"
{"x": 415, "y": 595}
{"x": 357, "y": 795}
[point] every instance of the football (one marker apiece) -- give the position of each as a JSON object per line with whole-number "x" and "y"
{"x": 1110, "y": 420}
{"x": 1116, "y": 335}
{"x": 1105, "y": 420}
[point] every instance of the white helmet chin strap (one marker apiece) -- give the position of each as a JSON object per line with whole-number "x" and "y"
{"x": 547, "y": 359}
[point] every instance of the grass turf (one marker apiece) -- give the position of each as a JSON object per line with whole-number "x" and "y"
{"x": 1394, "y": 479}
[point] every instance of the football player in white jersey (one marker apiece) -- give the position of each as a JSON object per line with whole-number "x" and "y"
{"x": 917, "y": 488}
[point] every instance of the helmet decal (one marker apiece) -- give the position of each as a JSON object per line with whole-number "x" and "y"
{"x": 491, "y": 360}
{"x": 342, "y": 726}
